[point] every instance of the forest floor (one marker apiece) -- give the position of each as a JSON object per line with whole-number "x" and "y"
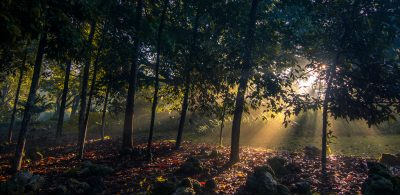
{"x": 133, "y": 173}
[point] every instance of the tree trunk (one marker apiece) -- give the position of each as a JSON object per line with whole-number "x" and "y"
{"x": 85, "y": 79}
{"x": 222, "y": 124}
{"x": 127, "y": 137}
{"x": 29, "y": 104}
{"x": 61, "y": 112}
{"x": 185, "y": 103}
{"x": 240, "y": 96}
{"x": 329, "y": 78}
{"x": 103, "y": 117}
{"x": 157, "y": 80}
{"x": 14, "y": 111}
{"x": 74, "y": 106}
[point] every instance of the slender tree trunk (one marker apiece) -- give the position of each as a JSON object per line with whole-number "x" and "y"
{"x": 185, "y": 103}
{"x": 14, "y": 111}
{"x": 329, "y": 78}
{"x": 157, "y": 80}
{"x": 91, "y": 92}
{"x": 127, "y": 137}
{"x": 240, "y": 96}
{"x": 29, "y": 104}
{"x": 61, "y": 112}
{"x": 222, "y": 125}
{"x": 103, "y": 117}
{"x": 74, "y": 106}
{"x": 85, "y": 79}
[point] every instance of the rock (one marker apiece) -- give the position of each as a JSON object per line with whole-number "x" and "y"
{"x": 301, "y": 188}
{"x": 215, "y": 153}
{"x": 186, "y": 182}
{"x": 390, "y": 160}
{"x": 22, "y": 182}
{"x": 375, "y": 168}
{"x": 211, "y": 185}
{"x": 22, "y": 177}
{"x": 396, "y": 184}
{"x": 163, "y": 188}
{"x": 278, "y": 165}
{"x": 292, "y": 168}
{"x": 377, "y": 184}
{"x": 184, "y": 191}
{"x": 191, "y": 166}
{"x": 96, "y": 184}
{"x": 261, "y": 183}
{"x": 282, "y": 190}
{"x": 61, "y": 190}
{"x": 35, "y": 183}
{"x": 77, "y": 187}
{"x": 311, "y": 152}
{"x": 196, "y": 186}
{"x": 259, "y": 171}
{"x": 90, "y": 169}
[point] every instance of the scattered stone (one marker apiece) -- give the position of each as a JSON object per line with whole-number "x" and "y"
{"x": 215, "y": 153}
{"x": 380, "y": 181}
{"x": 311, "y": 152}
{"x": 390, "y": 160}
{"x": 261, "y": 183}
{"x": 375, "y": 168}
{"x": 191, "y": 166}
{"x": 302, "y": 187}
{"x": 89, "y": 169}
{"x": 23, "y": 182}
{"x": 76, "y": 187}
{"x": 184, "y": 191}
{"x": 35, "y": 182}
{"x": 211, "y": 185}
{"x": 282, "y": 189}
{"x": 96, "y": 184}
{"x": 167, "y": 188}
{"x": 377, "y": 184}
{"x": 278, "y": 165}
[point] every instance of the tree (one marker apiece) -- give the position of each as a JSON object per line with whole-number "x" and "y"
{"x": 85, "y": 79}
{"x": 127, "y": 137}
{"x": 29, "y": 104}
{"x": 14, "y": 111}
{"x": 245, "y": 74}
{"x": 60, "y": 120}
{"x": 157, "y": 76}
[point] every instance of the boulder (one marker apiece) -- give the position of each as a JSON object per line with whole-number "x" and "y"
{"x": 302, "y": 187}
{"x": 261, "y": 183}
{"x": 396, "y": 184}
{"x": 282, "y": 190}
{"x": 377, "y": 184}
{"x": 22, "y": 182}
{"x": 89, "y": 169}
{"x": 96, "y": 184}
{"x": 184, "y": 191}
{"x": 380, "y": 181}
{"x": 163, "y": 188}
{"x": 375, "y": 168}
{"x": 191, "y": 183}
{"x": 215, "y": 153}
{"x": 311, "y": 152}
{"x": 191, "y": 166}
{"x": 278, "y": 165}
{"x": 389, "y": 160}
{"x": 211, "y": 185}
{"x": 35, "y": 183}
{"x": 76, "y": 187}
